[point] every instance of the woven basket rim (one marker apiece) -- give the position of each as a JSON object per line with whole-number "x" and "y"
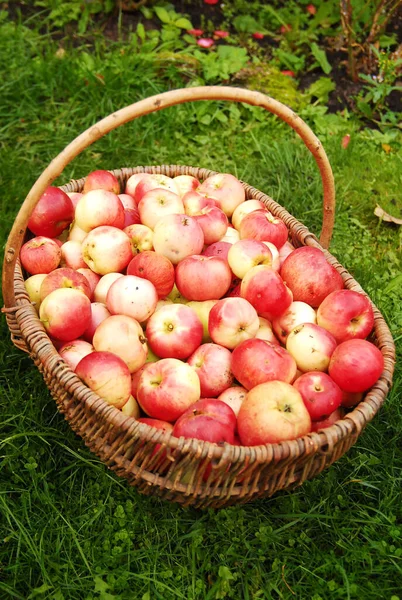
{"x": 353, "y": 421}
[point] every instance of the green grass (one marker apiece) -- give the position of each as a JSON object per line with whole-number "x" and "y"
{"x": 69, "y": 529}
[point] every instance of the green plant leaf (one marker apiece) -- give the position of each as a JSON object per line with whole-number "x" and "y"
{"x": 183, "y": 23}
{"x": 321, "y": 89}
{"x": 162, "y": 14}
{"x": 321, "y": 58}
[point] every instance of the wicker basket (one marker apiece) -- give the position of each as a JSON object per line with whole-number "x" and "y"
{"x": 151, "y": 459}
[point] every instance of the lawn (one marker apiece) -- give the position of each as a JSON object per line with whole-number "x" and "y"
{"x": 69, "y": 528}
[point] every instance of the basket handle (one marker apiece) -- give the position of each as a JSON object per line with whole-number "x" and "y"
{"x": 147, "y": 106}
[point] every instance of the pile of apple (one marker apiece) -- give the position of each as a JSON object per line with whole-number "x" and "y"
{"x": 185, "y": 306}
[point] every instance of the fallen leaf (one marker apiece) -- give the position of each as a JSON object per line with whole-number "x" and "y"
{"x": 387, "y": 148}
{"x": 384, "y": 216}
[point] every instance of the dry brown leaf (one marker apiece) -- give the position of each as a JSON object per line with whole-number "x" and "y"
{"x": 384, "y": 216}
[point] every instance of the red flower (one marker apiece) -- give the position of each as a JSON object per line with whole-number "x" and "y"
{"x": 195, "y": 32}
{"x": 288, "y": 73}
{"x": 258, "y": 36}
{"x": 285, "y": 28}
{"x": 221, "y": 34}
{"x": 205, "y": 42}
{"x": 310, "y": 8}
{"x": 211, "y": 1}
{"x": 345, "y": 141}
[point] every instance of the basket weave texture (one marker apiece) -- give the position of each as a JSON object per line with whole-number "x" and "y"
{"x": 176, "y": 468}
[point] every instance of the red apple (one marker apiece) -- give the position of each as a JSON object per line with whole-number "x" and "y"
{"x": 76, "y": 234}
{"x": 74, "y": 197}
{"x": 156, "y": 268}
{"x": 107, "y": 375}
{"x": 346, "y": 314}
{"x": 311, "y": 346}
{"x": 72, "y": 352}
{"x": 167, "y": 388}
{"x": 226, "y": 190}
{"x": 356, "y": 365}
{"x": 220, "y": 249}
{"x": 53, "y": 213}
{"x": 321, "y": 395}
{"x": 133, "y": 181}
{"x": 40, "y": 255}
{"x": 231, "y": 236}
{"x": 101, "y": 180}
{"x": 310, "y": 277}
{"x": 103, "y": 285}
{"x": 262, "y": 225}
{"x": 178, "y": 236}
{"x": 107, "y": 250}
{"x": 99, "y": 313}
{"x": 284, "y": 252}
{"x": 246, "y": 254}
{"x": 132, "y": 296}
{"x": 186, "y": 183}
{"x": 98, "y": 208}
{"x": 71, "y": 255}
{"x": 296, "y": 314}
{"x": 349, "y": 399}
{"x": 200, "y": 277}
{"x": 272, "y": 412}
{"x": 213, "y": 222}
{"x": 154, "y": 182}
{"x": 265, "y": 331}
{"x": 212, "y": 364}
{"x": 157, "y": 203}
{"x": 141, "y": 237}
{"x": 234, "y": 397}
{"x": 131, "y": 217}
{"x": 65, "y": 313}
{"x": 92, "y": 278}
{"x": 266, "y": 291}
{"x": 174, "y": 331}
{"x": 335, "y": 416}
{"x": 244, "y": 209}
{"x": 194, "y": 202}
{"x": 231, "y": 321}
{"x": 257, "y": 361}
{"x": 208, "y": 419}
{"x": 64, "y": 278}
{"x": 127, "y": 201}
{"x": 124, "y": 337}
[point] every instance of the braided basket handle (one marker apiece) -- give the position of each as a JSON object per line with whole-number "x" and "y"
{"x": 144, "y": 107}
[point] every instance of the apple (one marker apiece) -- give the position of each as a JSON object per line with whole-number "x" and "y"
{"x": 131, "y": 217}
{"x": 272, "y": 412}
{"x": 266, "y": 291}
{"x": 310, "y": 277}
{"x": 276, "y": 263}
{"x": 194, "y": 202}
{"x": 176, "y": 297}
{"x": 212, "y": 364}
{"x": 76, "y": 234}
{"x": 156, "y": 204}
{"x": 265, "y": 331}
{"x": 226, "y": 190}
{"x": 107, "y": 375}
{"x": 234, "y": 397}
{"x": 71, "y": 255}
{"x": 52, "y": 215}
{"x": 101, "y": 180}
{"x": 133, "y": 181}
{"x": 356, "y": 365}
{"x": 32, "y": 286}
{"x": 92, "y": 278}
{"x": 244, "y": 209}
{"x": 208, "y": 419}
{"x": 131, "y": 408}
{"x": 65, "y": 314}
{"x": 256, "y": 361}
{"x": 178, "y": 236}
{"x": 231, "y": 236}
{"x": 72, "y": 352}
{"x": 124, "y": 337}
{"x": 284, "y": 252}
{"x": 156, "y": 268}
{"x": 311, "y": 346}
{"x": 231, "y": 321}
{"x": 127, "y": 201}
{"x": 174, "y": 331}
{"x": 296, "y": 314}
{"x": 103, "y": 285}
{"x": 40, "y": 255}
{"x": 161, "y": 302}
{"x": 141, "y": 237}
{"x": 350, "y": 399}
{"x": 335, "y": 416}
{"x": 213, "y": 222}
{"x": 64, "y": 278}
{"x": 218, "y": 249}
{"x": 97, "y": 208}
{"x": 346, "y": 314}
{"x": 99, "y": 313}
{"x": 132, "y": 296}
{"x": 107, "y": 250}
{"x": 200, "y": 277}
{"x": 321, "y": 395}
{"x": 167, "y": 388}
{"x": 154, "y": 182}
{"x": 202, "y": 310}
{"x": 262, "y": 225}
{"x": 74, "y": 197}
{"x": 186, "y": 183}
{"x": 246, "y": 254}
